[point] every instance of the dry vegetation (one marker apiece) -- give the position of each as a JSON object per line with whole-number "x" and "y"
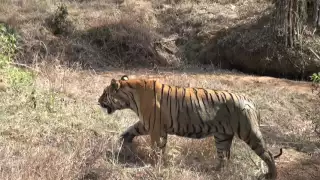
{"x": 54, "y": 129}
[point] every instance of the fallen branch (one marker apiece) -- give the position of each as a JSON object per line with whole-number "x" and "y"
{"x": 24, "y": 66}
{"x": 316, "y": 129}
{"x": 314, "y": 53}
{"x": 266, "y": 125}
{"x": 252, "y": 160}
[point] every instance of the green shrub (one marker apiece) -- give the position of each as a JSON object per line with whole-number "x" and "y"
{"x": 8, "y": 47}
{"x": 315, "y": 78}
{"x": 8, "y": 40}
{"x": 58, "y": 22}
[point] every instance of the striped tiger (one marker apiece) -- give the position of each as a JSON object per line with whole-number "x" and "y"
{"x": 188, "y": 112}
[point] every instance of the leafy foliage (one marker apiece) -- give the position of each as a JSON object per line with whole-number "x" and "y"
{"x": 315, "y": 77}
{"x": 59, "y": 22}
{"x": 8, "y": 47}
{"x": 8, "y": 44}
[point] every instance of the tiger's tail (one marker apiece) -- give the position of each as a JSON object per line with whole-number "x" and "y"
{"x": 255, "y": 141}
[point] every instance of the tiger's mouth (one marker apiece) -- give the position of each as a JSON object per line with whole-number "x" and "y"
{"x": 108, "y": 108}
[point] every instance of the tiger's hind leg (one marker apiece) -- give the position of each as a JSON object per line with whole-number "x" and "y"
{"x": 223, "y": 146}
{"x": 257, "y": 144}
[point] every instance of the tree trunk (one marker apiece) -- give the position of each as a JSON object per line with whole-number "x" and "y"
{"x": 290, "y": 18}
{"x": 316, "y": 12}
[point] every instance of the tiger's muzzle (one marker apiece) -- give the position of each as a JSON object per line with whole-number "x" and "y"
{"x": 106, "y": 107}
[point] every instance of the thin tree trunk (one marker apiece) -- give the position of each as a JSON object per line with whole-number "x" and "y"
{"x": 290, "y": 19}
{"x": 316, "y": 13}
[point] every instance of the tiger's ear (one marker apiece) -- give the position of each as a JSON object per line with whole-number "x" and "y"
{"x": 124, "y": 78}
{"x": 115, "y": 84}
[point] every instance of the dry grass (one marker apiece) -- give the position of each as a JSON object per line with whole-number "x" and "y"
{"x": 67, "y": 136}
{"x": 59, "y": 132}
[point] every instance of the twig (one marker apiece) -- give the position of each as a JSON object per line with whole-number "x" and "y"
{"x": 252, "y": 160}
{"x": 265, "y": 125}
{"x": 139, "y": 168}
{"x": 25, "y": 66}
{"x": 110, "y": 131}
{"x": 318, "y": 57}
{"x": 316, "y": 129}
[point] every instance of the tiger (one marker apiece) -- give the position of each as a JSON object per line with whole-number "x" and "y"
{"x": 190, "y": 112}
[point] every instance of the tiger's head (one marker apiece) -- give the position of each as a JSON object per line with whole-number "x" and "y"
{"x": 113, "y": 97}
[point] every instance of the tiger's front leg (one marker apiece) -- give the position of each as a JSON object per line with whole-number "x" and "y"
{"x": 138, "y": 129}
{"x": 135, "y": 130}
{"x": 223, "y": 146}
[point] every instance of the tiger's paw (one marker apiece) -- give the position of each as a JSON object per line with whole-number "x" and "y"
{"x": 220, "y": 165}
{"x": 126, "y": 138}
{"x": 267, "y": 176}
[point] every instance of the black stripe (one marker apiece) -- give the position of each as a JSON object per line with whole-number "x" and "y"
{"x": 233, "y": 99}
{"x": 130, "y": 86}
{"x": 137, "y": 130}
{"x": 199, "y": 135}
{"x": 171, "y": 118}
{"x": 135, "y": 103}
{"x": 206, "y": 93}
{"x": 223, "y": 129}
{"x": 205, "y": 106}
{"x": 187, "y": 128}
{"x": 193, "y": 129}
{"x": 205, "y": 101}
{"x": 176, "y": 94}
{"x": 178, "y": 125}
{"x": 177, "y": 107}
{"x": 187, "y": 107}
{"x": 224, "y": 95}
{"x": 228, "y": 109}
{"x": 217, "y": 94}
{"x": 238, "y": 130}
{"x": 162, "y": 87}
{"x": 223, "y": 140}
{"x": 196, "y": 94}
{"x": 168, "y": 94}
{"x": 255, "y": 146}
{"x": 149, "y": 122}
{"x": 145, "y": 84}
{"x": 216, "y": 128}
{"x": 247, "y": 140}
{"x": 182, "y": 131}
{"x": 191, "y": 102}
{"x": 132, "y": 97}
{"x": 212, "y": 101}
{"x": 209, "y": 129}
{"x": 188, "y": 114}
{"x": 155, "y": 105}
{"x": 183, "y": 97}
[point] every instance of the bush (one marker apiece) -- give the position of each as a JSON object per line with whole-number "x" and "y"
{"x": 315, "y": 78}
{"x": 15, "y": 77}
{"x": 58, "y": 22}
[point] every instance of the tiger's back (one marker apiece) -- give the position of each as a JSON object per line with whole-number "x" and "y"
{"x": 198, "y": 112}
